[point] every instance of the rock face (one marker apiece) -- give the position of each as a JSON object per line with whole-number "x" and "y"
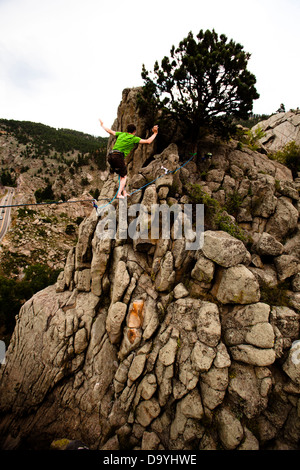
{"x": 143, "y": 344}
{"x": 280, "y": 129}
{"x": 127, "y": 114}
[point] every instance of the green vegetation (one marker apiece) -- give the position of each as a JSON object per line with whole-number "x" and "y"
{"x": 204, "y": 84}
{"x": 46, "y": 137}
{"x": 217, "y": 214}
{"x": 95, "y": 194}
{"x": 289, "y": 156}
{"x": 70, "y": 229}
{"x": 52, "y": 159}
{"x": 275, "y": 295}
{"x": 252, "y": 120}
{"x": 233, "y": 203}
{"x": 41, "y": 140}
{"x": 44, "y": 195}
{"x": 7, "y": 179}
{"x": 25, "y": 212}
{"x": 250, "y": 138}
{"x": 225, "y": 223}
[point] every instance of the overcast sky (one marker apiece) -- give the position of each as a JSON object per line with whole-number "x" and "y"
{"x": 64, "y": 63}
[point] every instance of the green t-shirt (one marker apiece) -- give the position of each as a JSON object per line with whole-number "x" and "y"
{"x": 125, "y": 142}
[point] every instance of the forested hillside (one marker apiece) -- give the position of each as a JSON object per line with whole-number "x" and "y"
{"x": 42, "y": 164}
{"x": 41, "y": 140}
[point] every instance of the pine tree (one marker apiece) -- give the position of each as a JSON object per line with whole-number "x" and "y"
{"x": 204, "y": 83}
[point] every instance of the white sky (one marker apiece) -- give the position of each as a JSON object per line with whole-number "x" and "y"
{"x": 65, "y": 63}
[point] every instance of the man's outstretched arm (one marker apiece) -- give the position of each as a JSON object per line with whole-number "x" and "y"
{"x": 111, "y": 132}
{"x": 150, "y": 139}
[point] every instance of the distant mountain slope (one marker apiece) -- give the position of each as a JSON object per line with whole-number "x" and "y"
{"x": 46, "y": 138}
{"x": 34, "y": 156}
{"x": 42, "y": 163}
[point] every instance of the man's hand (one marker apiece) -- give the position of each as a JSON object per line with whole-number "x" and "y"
{"x": 151, "y": 138}
{"x": 106, "y": 128}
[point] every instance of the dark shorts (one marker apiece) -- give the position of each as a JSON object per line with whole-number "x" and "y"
{"x": 117, "y": 163}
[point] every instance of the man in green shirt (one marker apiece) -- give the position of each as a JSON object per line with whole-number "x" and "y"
{"x": 124, "y": 144}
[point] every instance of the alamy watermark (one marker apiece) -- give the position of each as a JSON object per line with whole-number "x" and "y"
{"x": 295, "y": 357}
{"x": 2, "y": 352}
{"x": 156, "y": 221}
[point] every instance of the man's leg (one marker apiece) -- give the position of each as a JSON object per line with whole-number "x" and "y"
{"x": 125, "y": 193}
{"x": 122, "y": 186}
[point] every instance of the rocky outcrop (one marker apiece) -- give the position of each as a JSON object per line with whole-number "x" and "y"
{"x": 280, "y": 129}
{"x": 128, "y": 114}
{"x": 143, "y": 344}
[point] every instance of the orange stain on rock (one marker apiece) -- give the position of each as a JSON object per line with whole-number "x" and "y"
{"x": 135, "y": 319}
{"x": 136, "y": 314}
{"x": 132, "y": 334}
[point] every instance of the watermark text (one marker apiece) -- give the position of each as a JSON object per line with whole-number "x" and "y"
{"x": 157, "y": 221}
